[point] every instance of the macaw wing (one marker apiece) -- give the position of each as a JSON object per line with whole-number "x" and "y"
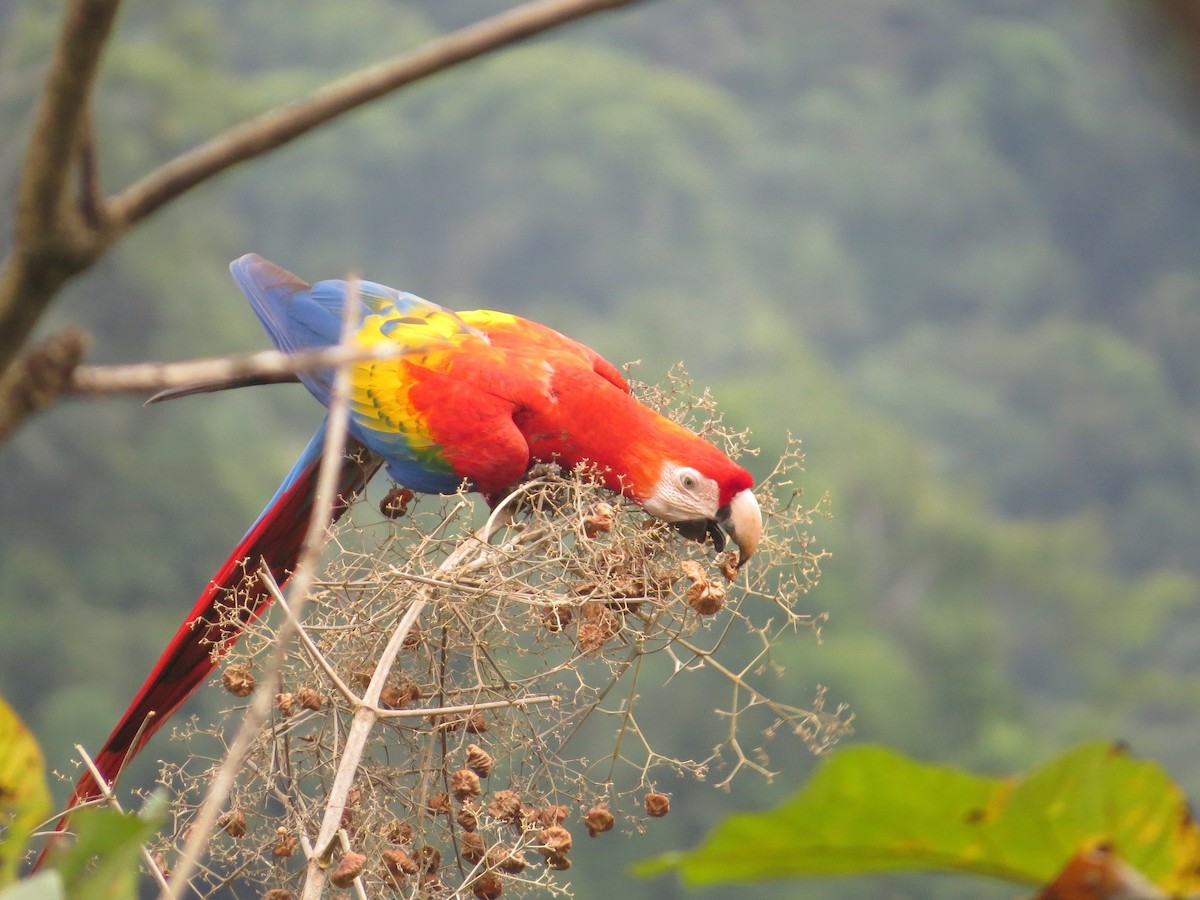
{"x": 505, "y": 330}
{"x": 299, "y": 316}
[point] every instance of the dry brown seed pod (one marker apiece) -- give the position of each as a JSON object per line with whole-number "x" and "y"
{"x": 505, "y": 806}
{"x": 160, "y": 863}
{"x": 398, "y": 831}
{"x": 360, "y": 675}
{"x": 503, "y": 859}
{"x": 439, "y": 804}
{"x": 729, "y": 565}
{"x": 395, "y": 502}
{"x": 398, "y": 863}
{"x": 468, "y": 816}
{"x": 349, "y": 867}
{"x": 285, "y": 843}
{"x": 554, "y": 814}
{"x": 487, "y": 886}
{"x": 238, "y": 680}
{"x": 657, "y": 805}
{"x": 693, "y": 570}
{"x": 428, "y": 858}
{"x": 706, "y": 598}
{"x": 464, "y": 784}
{"x": 477, "y": 724}
{"x": 233, "y": 823}
{"x": 471, "y": 847}
{"x": 277, "y": 894}
{"x": 555, "y": 845}
{"x": 598, "y": 820}
{"x": 309, "y": 698}
{"x": 556, "y": 618}
{"x": 286, "y": 703}
{"x": 600, "y": 520}
{"x": 479, "y": 760}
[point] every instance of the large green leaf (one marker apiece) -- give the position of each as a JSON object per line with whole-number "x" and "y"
{"x": 24, "y": 797}
{"x": 869, "y": 809}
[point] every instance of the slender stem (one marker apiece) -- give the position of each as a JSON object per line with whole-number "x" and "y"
{"x": 217, "y": 372}
{"x": 298, "y": 589}
{"x": 111, "y": 799}
{"x": 278, "y": 126}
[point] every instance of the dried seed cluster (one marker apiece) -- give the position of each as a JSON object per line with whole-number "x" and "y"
{"x": 541, "y": 626}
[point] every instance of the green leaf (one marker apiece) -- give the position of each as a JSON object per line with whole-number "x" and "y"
{"x": 24, "y": 797}
{"x": 870, "y": 810}
{"x": 46, "y": 885}
{"x": 103, "y": 862}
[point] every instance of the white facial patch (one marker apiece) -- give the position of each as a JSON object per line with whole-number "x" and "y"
{"x": 683, "y": 495}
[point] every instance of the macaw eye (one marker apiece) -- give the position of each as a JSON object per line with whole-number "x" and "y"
{"x": 688, "y": 480}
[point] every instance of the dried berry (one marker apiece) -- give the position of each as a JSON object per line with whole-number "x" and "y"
{"x": 706, "y": 597}
{"x": 598, "y": 820}
{"x": 360, "y": 675}
{"x": 479, "y": 760}
{"x": 556, "y": 618}
{"x": 233, "y": 823}
{"x": 471, "y": 847}
{"x": 600, "y": 520}
{"x": 395, "y": 502}
{"x": 487, "y": 886}
{"x": 398, "y": 697}
{"x": 238, "y": 680}
{"x": 468, "y": 816}
{"x": 349, "y": 867}
{"x": 505, "y": 806}
{"x": 397, "y": 864}
{"x": 555, "y": 844}
{"x": 464, "y": 784}
{"x": 398, "y": 831}
{"x": 477, "y": 724}
{"x": 309, "y": 698}
{"x": 729, "y": 565}
{"x": 504, "y": 859}
{"x": 285, "y": 703}
{"x": 428, "y": 858}
{"x": 285, "y": 843}
{"x": 657, "y": 805}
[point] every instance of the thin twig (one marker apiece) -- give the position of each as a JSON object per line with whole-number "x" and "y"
{"x": 314, "y": 540}
{"x": 365, "y": 718}
{"x": 111, "y": 799}
{"x": 141, "y": 378}
{"x": 278, "y": 126}
{"x": 314, "y": 652}
{"x": 515, "y": 703}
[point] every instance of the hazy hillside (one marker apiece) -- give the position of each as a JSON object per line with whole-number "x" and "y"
{"x": 950, "y": 244}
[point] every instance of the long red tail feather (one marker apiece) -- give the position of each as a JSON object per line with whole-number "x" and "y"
{"x": 233, "y": 598}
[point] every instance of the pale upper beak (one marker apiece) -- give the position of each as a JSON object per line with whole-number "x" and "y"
{"x": 742, "y": 521}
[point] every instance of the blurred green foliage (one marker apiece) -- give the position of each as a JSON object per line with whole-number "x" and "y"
{"x": 950, "y": 244}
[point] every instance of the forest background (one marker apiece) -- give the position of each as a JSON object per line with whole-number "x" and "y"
{"x": 951, "y": 245}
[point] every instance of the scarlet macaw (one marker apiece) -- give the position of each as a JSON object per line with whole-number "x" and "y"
{"x": 477, "y": 397}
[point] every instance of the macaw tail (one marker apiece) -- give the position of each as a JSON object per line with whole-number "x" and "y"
{"x": 234, "y": 597}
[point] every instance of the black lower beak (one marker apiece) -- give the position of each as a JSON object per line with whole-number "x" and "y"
{"x": 700, "y": 529}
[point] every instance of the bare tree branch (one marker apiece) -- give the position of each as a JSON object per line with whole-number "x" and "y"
{"x": 39, "y": 378}
{"x": 57, "y": 236}
{"x": 278, "y": 126}
{"x": 216, "y": 372}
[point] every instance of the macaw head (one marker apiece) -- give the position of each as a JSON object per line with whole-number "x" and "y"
{"x": 704, "y": 497}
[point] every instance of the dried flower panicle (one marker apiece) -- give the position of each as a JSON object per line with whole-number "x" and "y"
{"x": 480, "y": 756}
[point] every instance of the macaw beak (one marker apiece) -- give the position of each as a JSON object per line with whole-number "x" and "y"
{"x": 742, "y": 521}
